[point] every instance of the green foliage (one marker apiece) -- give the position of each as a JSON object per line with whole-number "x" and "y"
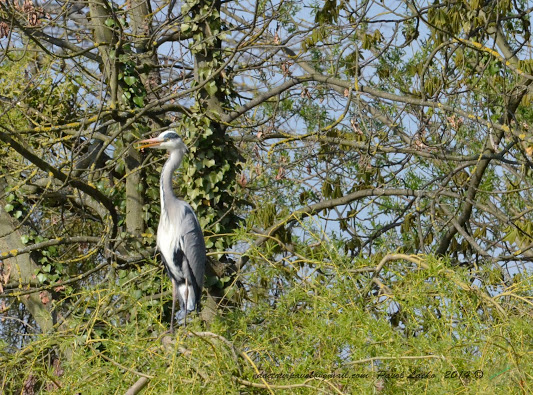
{"x": 44, "y": 100}
{"x": 209, "y": 181}
{"x": 133, "y": 90}
{"x": 327, "y": 14}
{"x": 330, "y": 322}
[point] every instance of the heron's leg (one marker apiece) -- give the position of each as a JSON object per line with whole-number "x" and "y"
{"x": 174, "y": 297}
{"x": 186, "y": 301}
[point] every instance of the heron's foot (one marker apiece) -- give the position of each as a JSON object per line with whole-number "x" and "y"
{"x": 183, "y": 317}
{"x": 168, "y": 332}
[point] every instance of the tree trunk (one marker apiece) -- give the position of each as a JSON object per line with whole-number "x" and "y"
{"x": 22, "y": 270}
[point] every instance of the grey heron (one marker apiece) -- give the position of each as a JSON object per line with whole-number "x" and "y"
{"x": 179, "y": 235}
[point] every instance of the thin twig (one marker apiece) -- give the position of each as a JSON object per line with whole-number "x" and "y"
{"x": 118, "y": 365}
{"x": 393, "y": 358}
{"x": 138, "y": 386}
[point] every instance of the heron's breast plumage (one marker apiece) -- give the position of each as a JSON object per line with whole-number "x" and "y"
{"x": 170, "y": 236}
{"x": 179, "y": 230}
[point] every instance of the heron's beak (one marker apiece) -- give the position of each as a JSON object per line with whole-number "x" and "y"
{"x": 149, "y": 143}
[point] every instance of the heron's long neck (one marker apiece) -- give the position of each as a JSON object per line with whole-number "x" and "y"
{"x": 170, "y": 166}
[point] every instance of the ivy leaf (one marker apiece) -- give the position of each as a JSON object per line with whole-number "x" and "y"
{"x": 41, "y": 277}
{"x": 210, "y": 281}
{"x": 208, "y": 162}
{"x": 211, "y": 88}
{"x": 139, "y": 100}
{"x": 9, "y": 207}
{"x": 25, "y": 239}
{"x": 109, "y": 22}
{"x": 130, "y": 80}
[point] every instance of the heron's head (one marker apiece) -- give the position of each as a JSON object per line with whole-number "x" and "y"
{"x": 168, "y": 140}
